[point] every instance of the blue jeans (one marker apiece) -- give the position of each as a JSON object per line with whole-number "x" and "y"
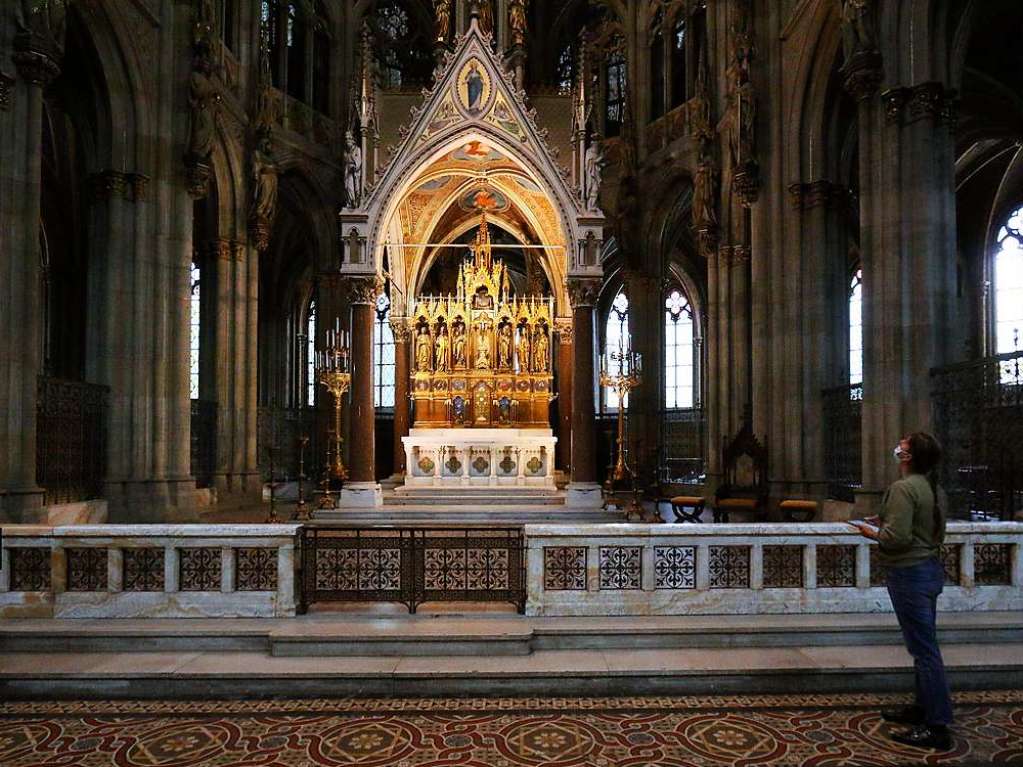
{"x": 914, "y": 593}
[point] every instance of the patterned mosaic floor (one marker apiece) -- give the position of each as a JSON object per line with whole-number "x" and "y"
{"x": 823, "y": 731}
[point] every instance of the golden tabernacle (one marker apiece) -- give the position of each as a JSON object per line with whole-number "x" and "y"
{"x": 482, "y": 357}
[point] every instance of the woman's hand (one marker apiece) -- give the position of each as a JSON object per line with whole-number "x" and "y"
{"x": 866, "y": 530}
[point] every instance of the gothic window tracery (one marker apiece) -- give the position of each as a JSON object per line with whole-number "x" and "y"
{"x": 297, "y": 39}
{"x": 679, "y": 67}
{"x": 195, "y": 335}
{"x": 679, "y": 352}
{"x": 616, "y": 339}
{"x": 383, "y": 354}
{"x": 856, "y": 328}
{"x": 616, "y": 84}
{"x": 402, "y": 45}
{"x": 310, "y": 354}
{"x": 1008, "y": 287}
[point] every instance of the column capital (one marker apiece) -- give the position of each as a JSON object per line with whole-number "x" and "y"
{"x": 584, "y": 291}
{"x": 863, "y": 74}
{"x": 362, "y": 290}
{"x": 817, "y": 194}
{"x": 565, "y": 330}
{"x": 400, "y": 329}
{"x": 36, "y": 58}
{"x": 929, "y": 100}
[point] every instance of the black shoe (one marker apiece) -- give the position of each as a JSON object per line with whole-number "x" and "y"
{"x": 911, "y": 715}
{"x": 922, "y": 736}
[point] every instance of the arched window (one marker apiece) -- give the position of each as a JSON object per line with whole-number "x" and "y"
{"x": 402, "y": 45}
{"x": 678, "y": 63}
{"x": 383, "y": 348}
{"x": 310, "y": 354}
{"x": 566, "y": 69}
{"x": 679, "y": 352}
{"x": 657, "y": 68}
{"x": 1008, "y": 291}
{"x": 616, "y": 339}
{"x": 617, "y": 83}
{"x": 195, "y": 335}
{"x": 856, "y": 328}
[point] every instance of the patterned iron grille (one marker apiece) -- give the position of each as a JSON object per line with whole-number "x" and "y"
{"x": 836, "y": 566}
{"x": 992, "y": 563}
{"x": 143, "y": 569}
{"x": 87, "y": 569}
{"x": 682, "y": 451}
{"x": 674, "y": 567}
{"x": 978, "y": 411}
{"x": 620, "y": 568}
{"x": 470, "y": 565}
{"x": 204, "y": 441}
{"x": 71, "y": 439}
{"x": 729, "y": 567}
{"x": 200, "y": 569}
{"x": 877, "y": 570}
{"x": 783, "y": 567}
{"x": 951, "y": 558}
{"x": 564, "y": 568}
{"x": 30, "y": 569}
{"x": 256, "y": 569}
{"x": 842, "y": 415}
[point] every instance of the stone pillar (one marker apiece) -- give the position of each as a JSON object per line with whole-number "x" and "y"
{"x": 402, "y": 337}
{"x": 565, "y": 363}
{"x": 646, "y": 322}
{"x": 362, "y": 488}
{"x": 220, "y": 255}
{"x": 37, "y": 60}
{"x": 583, "y": 491}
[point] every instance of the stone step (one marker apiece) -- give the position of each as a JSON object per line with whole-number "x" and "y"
{"x": 453, "y": 499}
{"x": 447, "y": 515}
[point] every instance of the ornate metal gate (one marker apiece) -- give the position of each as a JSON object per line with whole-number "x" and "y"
{"x": 412, "y": 565}
{"x": 71, "y": 439}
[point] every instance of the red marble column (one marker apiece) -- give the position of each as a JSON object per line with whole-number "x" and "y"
{"x": 583, "y": 490}
{"x": 566, "y": 361}
{"x": 402, "y": 336}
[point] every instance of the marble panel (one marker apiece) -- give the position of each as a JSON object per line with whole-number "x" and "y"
{"x": 142, "y": 604}
{"x": 674, "y": 567}
{"x": 836, "y": 566}
{"x": 200, "y": 569}
{"x": 729, "y": 567}
{"x": 992, "y": 564}
{"x": 144, "y": 569}
{"x": 564, "y": 568}
{"x": 87, "y": 569}
{"x": 30, "y": 569}
{"x": 783, "y": 567}
{"x": 255, "y": 569}
{"x": 620, "y": 567}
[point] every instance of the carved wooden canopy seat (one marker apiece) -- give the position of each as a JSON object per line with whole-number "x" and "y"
{"x": 744, "y": 461}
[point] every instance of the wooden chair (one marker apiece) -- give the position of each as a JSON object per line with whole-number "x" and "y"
{"x": 744, "y": 461}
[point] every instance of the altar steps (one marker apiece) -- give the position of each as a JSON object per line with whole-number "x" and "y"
{"x": 469, "y": 497}
{"x": 478, "y": 513}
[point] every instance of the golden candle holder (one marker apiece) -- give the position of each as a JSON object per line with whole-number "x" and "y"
{"x": 333, "y": 372}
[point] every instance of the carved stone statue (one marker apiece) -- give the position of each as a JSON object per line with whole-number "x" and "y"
{"x": 459, "y": 345}
{"x": 747, "y": 118}
{"x": 442, "y": 13}
{"x": 202, "y": 98}
{"x": 45, "y": 19}
{"x": 540, "y": 350}
{"x": 443, "y": 344}
{"x": 517, "y": 21}
{"x": 353, "y": 171}
{"x": 264, "y": 178}
{"x": 525, "y": 350}
{"x": 486, "y": 16}
{"x": 859, "y": 32}
{"x": 482, "y": 348}
{"x": 423, "y": 351}
{"x": 504, "y": 347}
{"x": 705, "y": 195}
{"x": 594, "y": 163}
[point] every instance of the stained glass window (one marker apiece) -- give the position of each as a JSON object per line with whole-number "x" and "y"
{"x": 679, "y": 352}
{"x": 310, "y": 355}
{"x": 566, "y": 69}
{"x": 856, "y": 328}
{"x": 1008, "y": 291}
{"x": 383, "y": 349}
{"x": 195, "y": 336}
{"x": 616, "y": 339}
{"x": 616, "y": 87}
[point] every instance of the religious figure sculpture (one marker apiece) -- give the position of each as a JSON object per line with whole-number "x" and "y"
{"x": 594, "y": 167}
{"x": 540, "y": 350}
{"x": 423, "y": 351}
{"x": 47, "y": 20}
{"x": 264, "y": 178}
{"x": 504, "y": 347}
{"x": 353, "y": 171}
{"x": 459, "y": 345}
{"x": 525, "y": 350}
{"x": 442, "y": 349}
{"x": 482, "y": 348}
{"x": 517, "y": 21}
{"x": 202, "y": 98}
{"x": 858, "y": 30}
{"x": 486, "y": 16}
{"x": 747, "y": 117}
{"x": 474, "y": 87}
{"x": 442, "y": 12}
{"x": 704, "y": 195}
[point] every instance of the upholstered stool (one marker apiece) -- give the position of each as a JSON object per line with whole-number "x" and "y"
{"x": 680, "y": 504}
{"x": 798, "y": 511}
{"x": 725, "y": 506}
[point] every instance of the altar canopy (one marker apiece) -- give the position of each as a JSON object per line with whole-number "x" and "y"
{"x": 481, "y": 356}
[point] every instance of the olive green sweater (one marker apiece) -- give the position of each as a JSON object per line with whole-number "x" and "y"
{"x": 912, "y": 530}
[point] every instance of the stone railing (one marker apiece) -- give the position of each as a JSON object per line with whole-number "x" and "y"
{"x": 148, "y": 571}
{"x": 753, "y": 568}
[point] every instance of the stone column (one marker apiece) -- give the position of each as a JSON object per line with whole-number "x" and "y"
{"x": 565, "y": 363}
{"x": 37, "y": 60}
{"x": 583, "y": 491}
{"x": 646, "y": 322}
{"x": 402, "y": 337}
{"x": 362, "y": 488}
{"x": 221, "y": 257}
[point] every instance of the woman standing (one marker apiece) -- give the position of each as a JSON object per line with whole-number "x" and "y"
{"x": 909, "y": 535}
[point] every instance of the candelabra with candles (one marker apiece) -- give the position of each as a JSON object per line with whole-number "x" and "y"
{"x": 334, "y": 373}
{"x": 622, "y": 371}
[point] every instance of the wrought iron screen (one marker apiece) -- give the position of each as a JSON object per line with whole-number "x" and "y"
{"x": 842, "y": 418}
{"x": 682, "y": 459}
{"x": 280, "y": 428}
{"x": 204, "y": 441}
{"x": 71, "y": 439}
{"x": 411, "y": 566}
{"x": 978, "y": 415}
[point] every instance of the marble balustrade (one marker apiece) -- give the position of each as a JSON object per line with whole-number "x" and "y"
{"x": 148, "y": 571}
{"x": 603, "y": 570}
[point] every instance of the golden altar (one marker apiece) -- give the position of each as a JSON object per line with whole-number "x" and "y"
{"x": 482, "y": 357}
